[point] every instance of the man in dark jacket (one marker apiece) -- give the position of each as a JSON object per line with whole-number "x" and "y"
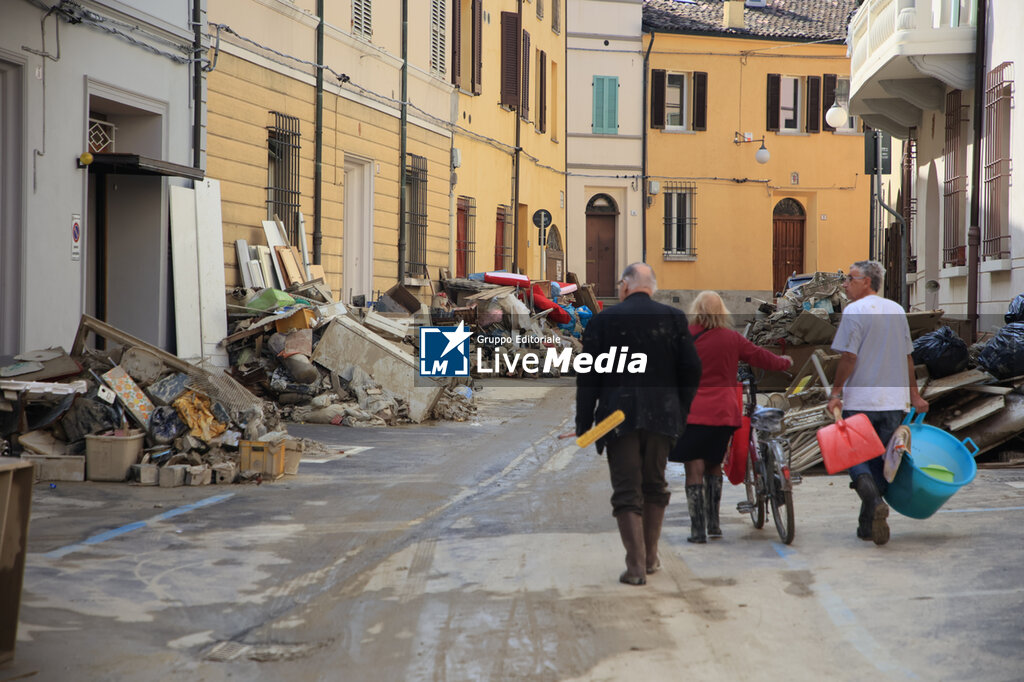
{"x": 655, "y": 403}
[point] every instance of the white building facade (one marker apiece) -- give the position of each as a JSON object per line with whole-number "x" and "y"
{"x": 914, "y": 76}
{"x": 117, "y": 78}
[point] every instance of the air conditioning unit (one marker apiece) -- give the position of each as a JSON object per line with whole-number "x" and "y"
{"x": 757, "y": 3}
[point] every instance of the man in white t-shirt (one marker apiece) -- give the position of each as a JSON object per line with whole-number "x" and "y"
{"x": 875, "y": 377}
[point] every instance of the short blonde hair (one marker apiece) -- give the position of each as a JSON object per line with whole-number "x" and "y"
{"x": 709, "y": 311}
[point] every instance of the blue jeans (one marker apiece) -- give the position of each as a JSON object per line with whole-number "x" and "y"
{"x": 885, "y": 423}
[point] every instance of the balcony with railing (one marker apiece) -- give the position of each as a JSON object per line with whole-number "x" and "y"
{"x": 904, "y": 56}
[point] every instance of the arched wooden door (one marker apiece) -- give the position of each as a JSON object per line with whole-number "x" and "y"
{"x": 554, "y": 266}
{"x": 601, "y": 218}
{"x": 788, "y": 221}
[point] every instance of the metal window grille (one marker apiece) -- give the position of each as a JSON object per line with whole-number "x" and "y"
{"x": 680, "y": 220}
{"x": 954, "y": 189}
{"x": 908, "y": 208}
{"x": 283, "y": 173}
{"x": 101, "y": 136}
{"x": 416, "y": 216}
{"x": 362, "y": 23}
{"x": 465, "y": 238}
{"x": 995, "y": 241}
{"x": 437, "y": 36}
{"x": 556, "y": 16}
{"x": 503, "y": 239}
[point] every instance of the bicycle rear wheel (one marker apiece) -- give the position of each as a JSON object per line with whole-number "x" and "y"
{"x": 779, "y": 497}
{"x": 755, "y": 501}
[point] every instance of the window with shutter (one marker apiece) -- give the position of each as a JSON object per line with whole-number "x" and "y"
{"x": 524, "y": 106}
{"x": 540, "y": 9}
{"x": 814, "y": 104}
{"x": 362, "y": 24}
{"x": 606, "y": 105}
{"x": 675, "y": 96}
{"x": 437, "y": 37}
{"x": 477, "y": 68}
{"x": 700, "y": 100}
{"x": 542, "y": 92}
{"x": 510, "y": 43}
{"x": 556, "y": 16}
{"x": 657, "y": 98}
{"x": 828, "y": 97}
{"x": 772, "y": 106}
{"x": 457, "y": 43}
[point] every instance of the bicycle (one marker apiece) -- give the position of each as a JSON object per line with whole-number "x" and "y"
{"x": 768, "y": 481}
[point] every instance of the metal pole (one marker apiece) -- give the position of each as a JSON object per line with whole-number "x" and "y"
{"x": 974, "y": 231}
{"x": 402, "y": 209}
{"x": 318, "y": 144}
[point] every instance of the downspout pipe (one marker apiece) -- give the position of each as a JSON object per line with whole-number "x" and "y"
{"x": 643, "y": 153}
{"x": 318, "y": 151}
{"x": 402, "y": 141}
{"x": 518, "y": 154}
{"x": 974, "y": 231}
{"x": 197, "y": 84}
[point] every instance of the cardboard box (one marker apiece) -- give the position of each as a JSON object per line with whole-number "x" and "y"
{"x": 300, "y": 319}
{"x": 110, "y": 458}
{"x": 266, "y": 458}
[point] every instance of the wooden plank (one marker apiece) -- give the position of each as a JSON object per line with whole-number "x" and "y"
{"x": 185, "y": 269}
{"x": 393, "y": 327}
{"x": 242, "y": 250}
{"x": 991, "y": 390}
{"x": 304, "y": 260}
{"x": 291, "y": 270}
{"x": 91, "y": 324}
{"x": 979, "y": 410}
{"x": 256, "y": 274}
{"x": 268, "y": 263}
{"x": 274, "y": 239}
{"x": 213, "y": 314}
{"x": 938, "y": 387}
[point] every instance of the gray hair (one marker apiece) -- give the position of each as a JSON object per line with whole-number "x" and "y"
{"x": 640, "y": 275}
{"x": 873, "y": 270}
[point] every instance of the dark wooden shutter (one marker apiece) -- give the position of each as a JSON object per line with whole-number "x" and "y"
{"x": 524, "y": 109}
{"x": 542, "y": 99}
{"x": 814, "y": 104}
{"x": 700, "y": 100}
{"x": 828, "y": 96}
{"x": 478, "y": 32}
{"x": 657, "y": 98}
{"x": 510, "y": 59}
{"x": 774, "y": 81}
{"x": 457, "y": 43}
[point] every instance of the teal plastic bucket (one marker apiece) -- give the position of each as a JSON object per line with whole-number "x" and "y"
{"x": 913, "y": 492}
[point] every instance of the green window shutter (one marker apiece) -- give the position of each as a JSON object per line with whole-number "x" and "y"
{"x": 606, "y": 105}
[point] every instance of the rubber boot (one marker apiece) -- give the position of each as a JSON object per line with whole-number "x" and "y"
{"x": 695, "y": 501}
{"x": 873, "y": 511}
{"x": 631, "y": 530}
{"x": 713, "y": 493}
{"x": 654, "y": 515}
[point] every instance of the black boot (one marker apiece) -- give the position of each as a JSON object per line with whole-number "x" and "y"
{"x": 697, "y": 505}
{"x": 873, "y": 511}
{"x": 713, "y": 493}
{"x": 631, "y": 530}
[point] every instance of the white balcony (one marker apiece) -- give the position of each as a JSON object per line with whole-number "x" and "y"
{"x": 904, "y": 54}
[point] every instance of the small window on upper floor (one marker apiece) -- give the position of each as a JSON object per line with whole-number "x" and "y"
{"x": 679, "y": 100}
{"x": 793, "y": 104}
{"x": 605, "y": 119}
{"x": 362, "y": 24}
{"x": 438, "y": 46}
{"x": 836, "y": 90}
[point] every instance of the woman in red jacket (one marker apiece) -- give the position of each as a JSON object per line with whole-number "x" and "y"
{"x": 715, "y": 413}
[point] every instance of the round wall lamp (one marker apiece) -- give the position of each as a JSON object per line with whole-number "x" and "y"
{"x": 762, "y": 155}
{"x": 836, "y": 116}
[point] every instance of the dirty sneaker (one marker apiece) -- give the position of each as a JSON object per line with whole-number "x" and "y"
{"x": 879, "y": 527}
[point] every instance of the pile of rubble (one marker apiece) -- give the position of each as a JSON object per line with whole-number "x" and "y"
{"x": 293, "y": 355}
{"x": 806, "y": 314}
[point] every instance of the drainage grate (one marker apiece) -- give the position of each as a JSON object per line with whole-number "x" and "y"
{"x": 226, "y": 651}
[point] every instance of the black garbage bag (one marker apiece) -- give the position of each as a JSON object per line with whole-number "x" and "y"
{"x": 165, "y": 425}
{"x": 942, "y": 351}
{"x": 1015, "y": 313}
{"x": 1003, "y": 356}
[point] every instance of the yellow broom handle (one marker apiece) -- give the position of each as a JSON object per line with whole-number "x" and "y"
{"x": 601, "y": 428}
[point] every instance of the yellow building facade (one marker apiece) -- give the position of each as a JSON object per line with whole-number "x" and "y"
{"x": 262, "y": 136}
{"x": 511, "y": 85}
{"x": 718, "y": 219}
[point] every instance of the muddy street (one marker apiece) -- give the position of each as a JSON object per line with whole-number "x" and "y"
{"x": 486, "y": 550}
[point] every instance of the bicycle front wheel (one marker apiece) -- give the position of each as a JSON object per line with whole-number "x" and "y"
{"x": 779, "y": 497}
{"x": 755, "y": 501}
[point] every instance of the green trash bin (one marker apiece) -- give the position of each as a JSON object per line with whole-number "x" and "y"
{"x": 15, "y": 499}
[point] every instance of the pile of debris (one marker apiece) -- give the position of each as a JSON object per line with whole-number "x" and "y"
{"x": 806, "y": 314}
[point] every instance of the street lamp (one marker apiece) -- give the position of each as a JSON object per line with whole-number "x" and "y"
{"x": 762, "y": 155}
{"x": 836, "y": 116}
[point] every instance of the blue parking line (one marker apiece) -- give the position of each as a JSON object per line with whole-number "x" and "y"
{"x": 127, "y": 528}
